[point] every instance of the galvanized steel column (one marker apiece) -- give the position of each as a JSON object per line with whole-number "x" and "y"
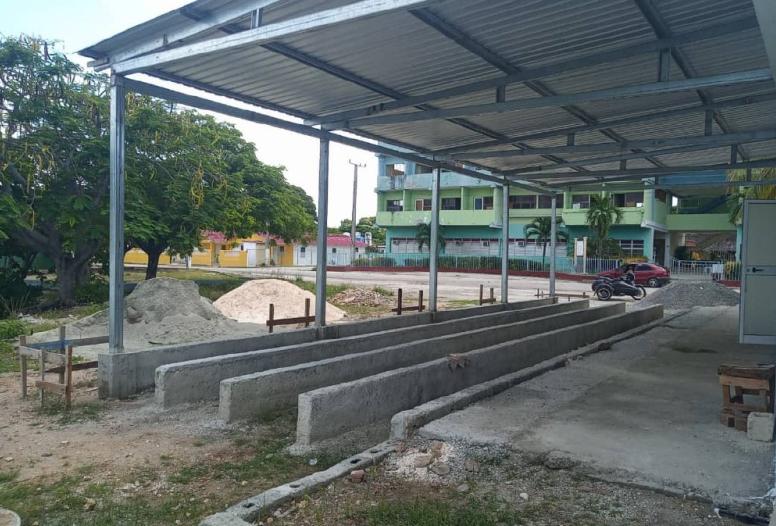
{"x": 505, "y": 243}
{"x": 434, "y": 241}
{"x": 321, "y": 248}
{"x": 553, "y": 237}
{"x": 116, "y": 233}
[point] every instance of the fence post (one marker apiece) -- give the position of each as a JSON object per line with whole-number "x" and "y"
{"x": 307, "y": 312}
{"x": 23, "y": 366}
{"x": 42, "y": 376}
{"x": 62, "y": 336}
{"x": 398, "y": 303}
{"x": 271, "y": 317}
{"x": 492, "y": 296}
{"x": 481, "y": 293}
{"x": 420, "y": 301}
{"x": 68, "y": 377}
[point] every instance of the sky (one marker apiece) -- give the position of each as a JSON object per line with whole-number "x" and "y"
{"x": 76, "y": 24}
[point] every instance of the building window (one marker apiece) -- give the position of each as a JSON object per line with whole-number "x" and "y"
{"x": 631, "y": 247}
{"x": 333, "y": 250}
{"x": 451, "y": 203}
{"x": 545, "y": 201}
{"x": 483, "y": 203}
{"x": 422, "y": 205}
{"x": 395, "y": 169}
{"x": 522, "y": 201}
{"x": 629, "y": 199}
{"x": 423, "y": 169}
{"x": 302, "y": 250}
{"x": 580, "y": 201}
{"x": 394, "y": 205}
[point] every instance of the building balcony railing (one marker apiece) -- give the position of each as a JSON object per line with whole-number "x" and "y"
{"x": 423, "y": 182}
{"x": 578, "y": 217}
{"x": 446, "y": 218}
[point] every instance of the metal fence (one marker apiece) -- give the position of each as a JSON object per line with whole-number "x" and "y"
{"x": 483, "y": 263}
{"x": 713, "y": 270}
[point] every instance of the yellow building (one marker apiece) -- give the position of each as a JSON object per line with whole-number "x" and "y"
{"x": 135, "y": 256}
{"x": 217, "y": 251}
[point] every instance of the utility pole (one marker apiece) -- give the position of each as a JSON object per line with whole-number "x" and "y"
{"x": 353, "y": 219}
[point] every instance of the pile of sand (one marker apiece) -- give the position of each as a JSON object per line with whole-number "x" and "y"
{"x": 160, "y": 311}
{"x": 250, "y": 302}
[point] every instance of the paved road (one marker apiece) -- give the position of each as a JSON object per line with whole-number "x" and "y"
{"x": 452, "y": 285}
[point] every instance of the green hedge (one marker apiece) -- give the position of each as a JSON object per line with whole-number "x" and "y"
{"x": 11, "y": 329}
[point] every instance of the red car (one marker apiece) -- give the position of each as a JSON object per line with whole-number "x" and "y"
{"x": 647, "y": 274}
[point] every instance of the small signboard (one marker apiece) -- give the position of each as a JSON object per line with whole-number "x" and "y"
{"x": 579, "y": 248}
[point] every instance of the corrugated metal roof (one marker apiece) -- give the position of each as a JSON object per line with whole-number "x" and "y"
{"x": 378, "y": 59}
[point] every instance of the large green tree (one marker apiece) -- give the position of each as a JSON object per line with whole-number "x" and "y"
{"x": 541, "y": 230}
{"x": 423, "y": 237}
{"x": 185, "y": 171}
{"x": 53, "y": 158}
{"x": 601, "y": 215}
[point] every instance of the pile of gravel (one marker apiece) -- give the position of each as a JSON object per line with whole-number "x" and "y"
{"x": 687, "y": 294}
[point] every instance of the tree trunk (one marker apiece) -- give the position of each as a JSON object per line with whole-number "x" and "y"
{"x": 67, "y": 280}
{"x": 544, "y": 253}
{"x": 154, "y": 253}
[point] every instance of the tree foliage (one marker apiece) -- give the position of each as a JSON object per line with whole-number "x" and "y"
{"x": 423, "y": 237}
{"x": 185, "y": 172}
{"x": 740, "y": 193}
{"x": 365, "y": 224}
{"x": 541, "y": 230}
{"x": 601, "y": 215}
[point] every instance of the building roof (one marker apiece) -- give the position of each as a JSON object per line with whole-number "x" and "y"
{"x": 496, "y": 85}
{"x": 342, "y": 241}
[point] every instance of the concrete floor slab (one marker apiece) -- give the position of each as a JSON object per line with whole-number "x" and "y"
{"x": 647, "y": 412}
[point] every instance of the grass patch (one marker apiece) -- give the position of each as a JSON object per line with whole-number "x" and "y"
{"x": 457, "y": 304}
{"x": 78, "y": 413}
{"x": 438, "y": 512}
{"x": 331, "y": 289}
{"x": 9, "y": 363}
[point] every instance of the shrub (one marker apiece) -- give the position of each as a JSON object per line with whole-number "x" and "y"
{"x": 92, "y": 292}
{"x": 15, "y": 294}
{"x": 11, "y": 329}
{"x": 733, "y": 270}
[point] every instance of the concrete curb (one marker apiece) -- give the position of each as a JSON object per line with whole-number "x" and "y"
{"x": 271, "y": 389}
{"x": 405, "y": 423}
{"x": 249, "y": 510}
{"x": 333, "y": 411}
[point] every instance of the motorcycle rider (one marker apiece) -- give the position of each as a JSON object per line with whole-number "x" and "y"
{"x": 629, "y": 276}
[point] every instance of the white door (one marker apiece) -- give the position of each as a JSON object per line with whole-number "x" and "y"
{"x": 251, "y": 250}
{"x": 757, "y": 321}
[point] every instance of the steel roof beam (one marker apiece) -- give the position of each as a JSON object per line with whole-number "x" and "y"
{"x": 260, "y": 118}
{"x": 265, "y": 34}
{"x": 200, "y": 24}
{"x": 708, "y": 141}
{"x": 611, "y": 122}
{"x": 638, "y": 173}
{"x": 343, "y": 74}
{"x": 620, "y": 92}
{"x": 613, "y": 158}
{"x": 469, "y": 43}
{"x": 662, "y": 30}
{"x": 557, "y": 68}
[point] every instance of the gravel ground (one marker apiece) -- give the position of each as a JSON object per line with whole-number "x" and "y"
{"x": 531, "y": 490}
{"x": 687, "y": 294}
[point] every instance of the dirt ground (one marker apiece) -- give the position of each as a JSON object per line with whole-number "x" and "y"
{"x": 131, "y": 463}
{"x": 488, "y": 487}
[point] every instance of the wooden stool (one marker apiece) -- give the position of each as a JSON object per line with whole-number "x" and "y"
{"x": 745, "y": 380}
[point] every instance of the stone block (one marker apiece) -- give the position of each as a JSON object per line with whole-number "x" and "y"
{"x": 759, "y": 426}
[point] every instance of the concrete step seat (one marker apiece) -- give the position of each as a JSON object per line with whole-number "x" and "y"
{"x": 370, "y": 402}
{"x": 198, "y": 379}
{"x": 264, "y": 393}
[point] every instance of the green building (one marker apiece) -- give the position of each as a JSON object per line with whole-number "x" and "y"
{"x": 654, "y": 223}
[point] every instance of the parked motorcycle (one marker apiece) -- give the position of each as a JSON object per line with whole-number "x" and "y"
{"x": 604, "y": 288}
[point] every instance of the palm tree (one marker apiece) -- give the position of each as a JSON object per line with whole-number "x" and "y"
{"x": 541, "y": 229}
{"x": 601, "y": 215}
{"x": 738, "y": 194}
{"x": 423, "y": 237}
